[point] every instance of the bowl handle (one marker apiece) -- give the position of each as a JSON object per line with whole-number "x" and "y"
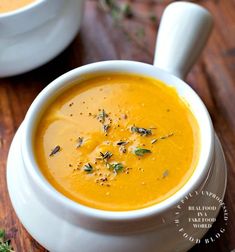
{"x": 183, "y": 32}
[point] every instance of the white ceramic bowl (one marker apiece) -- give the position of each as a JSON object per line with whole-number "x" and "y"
{"x": 148, "y": 229}
{"x": 35, "y": 34}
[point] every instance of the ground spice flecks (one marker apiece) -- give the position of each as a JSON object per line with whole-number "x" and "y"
{"x": 114, "y": 167}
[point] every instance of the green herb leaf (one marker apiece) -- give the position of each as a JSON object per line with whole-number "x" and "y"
{"x": 165, "y": 174}
{"x": 80, "y": 142}
{"x": 141, "y": 131}
{"x": 140, "y": 152}
{"x": 102, "y": 115}
{"x": 117, "y": 167}
{"x": 54, "y": 151}
{"x": 88, "y": 168}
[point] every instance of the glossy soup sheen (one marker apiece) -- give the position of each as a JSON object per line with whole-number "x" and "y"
{"x": 11, "y": 5}
{"x": 118, "y": 142}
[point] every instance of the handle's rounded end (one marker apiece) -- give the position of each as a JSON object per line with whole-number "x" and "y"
{"x": 184, "y": 30}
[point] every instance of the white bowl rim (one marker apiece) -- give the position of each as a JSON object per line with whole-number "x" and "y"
{"x": 22, "y": 9}
{"x": 104, "y": 215}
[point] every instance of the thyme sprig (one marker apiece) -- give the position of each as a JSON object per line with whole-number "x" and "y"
{"x": 141, "y": 131}
{"x": 80, "y": 142}
{"x": 5, "y": 245}
{"x": 88, "y": 168}
{"x": 123, "y": 149}
{"x": 117, "y": 11}
{"x": 122, "y": 143}
{"x": 102, "y": 116}
{"x": 122, "y": 146}
{"x": 106, "y": 127}
{"x": 54, "y": 151}
{"x": 162, "y": 138}
{"x": 165, "y": 174}
{"x": 120, "y": 12}
{"x": 116, "y": 167}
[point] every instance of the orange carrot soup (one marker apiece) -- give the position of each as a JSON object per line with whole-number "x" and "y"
{"x": 11, "y": 5}
{"x": 118, "y": 142}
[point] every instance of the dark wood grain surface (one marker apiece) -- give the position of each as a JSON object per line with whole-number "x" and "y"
{"x": 101, "y": 38}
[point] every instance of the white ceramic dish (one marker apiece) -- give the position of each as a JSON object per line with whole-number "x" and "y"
{"x": 60, "y": 224}
{"x": 57, "y": 234}
{"x": 36, "y": 33}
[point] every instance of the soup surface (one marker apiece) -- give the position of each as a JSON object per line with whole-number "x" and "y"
{"x": 118, "y": 142}
{"x": 11, "y": 5}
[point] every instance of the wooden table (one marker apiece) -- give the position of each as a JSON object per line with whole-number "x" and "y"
{"x": 101, "y": 39}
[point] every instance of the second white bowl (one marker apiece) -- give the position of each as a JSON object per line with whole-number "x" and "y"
{"x": 33, "y": 35}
